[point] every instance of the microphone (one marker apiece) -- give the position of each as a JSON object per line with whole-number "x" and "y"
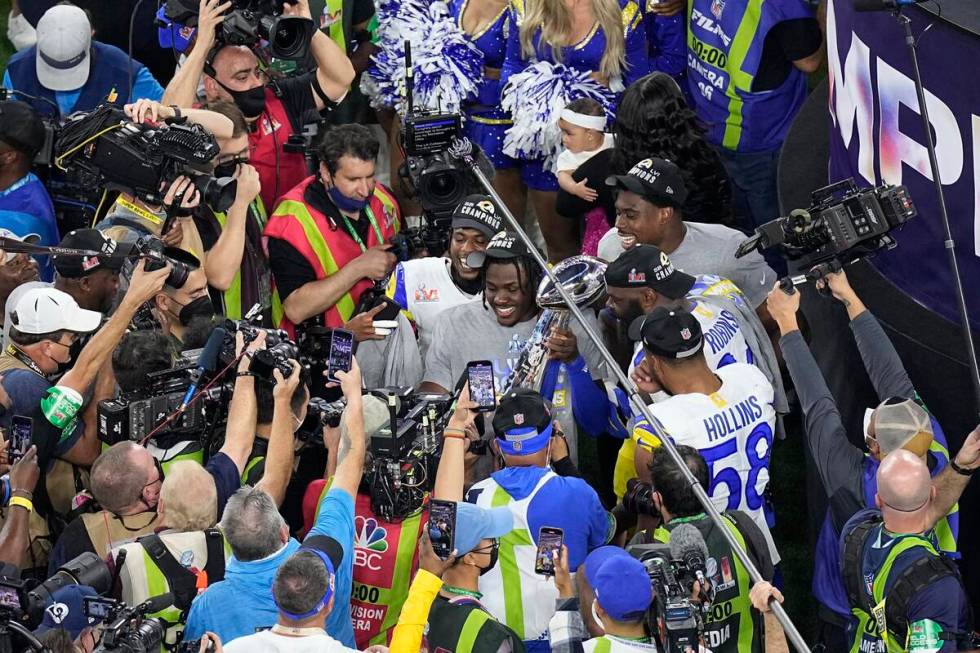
{"x": 883, "y": 5}
{"x": 206, "y": 362}
{"x": 688, "y": 545}
{"x": 157, "y": 603}
{"x": 409, "y": 80}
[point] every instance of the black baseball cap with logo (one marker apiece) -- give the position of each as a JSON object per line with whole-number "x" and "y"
{"x": 522, "y": 422}
{"x": 111, "y": 256}
{"x": 21, "y": 127}
{"x": 647, "y": 266}
{"x": 504, "y": 245}
{"x": 657, "y": 180}
{"x": 668, "y": 333}
{"x": 478, "y": 212}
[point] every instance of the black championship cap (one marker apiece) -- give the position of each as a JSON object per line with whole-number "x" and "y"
{"x": 504, "y": 245}
{"x": 668, "y": 333}
{"x": 21, "y": 127}
{"x": 478, "y": 212}
{"x": 522, "y": 422}
{"x": 657, "y": 180}
{"x": 646, "y": 266}
{"x": 112, "y": 254}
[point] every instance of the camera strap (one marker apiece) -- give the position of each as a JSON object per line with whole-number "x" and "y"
{"x": 139, "y": 210}
{"x": 356, "y": 236}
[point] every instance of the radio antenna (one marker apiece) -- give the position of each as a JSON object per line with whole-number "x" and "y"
{"x": 409, "y": 79}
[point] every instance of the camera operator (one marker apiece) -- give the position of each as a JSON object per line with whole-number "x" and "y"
{"x": 275, "y": 110}
{"x": 44, "y": 324}
{"x": 235, "y": 261}
{"x": 328, "y": 240}
{"x": 642, "y": 279}
{"x": 737, "y": 629}
{"x": 726, "y": 414}
{"x": 126, "y": 480}
{"x": 65, "y": 620}
{"x": 260, "y": 542}
{"x": 72, "y": 72}
{"x": 15, "y": 535}
{"x": 267, "y": 397}
{"x": 25, "y": 205}
{"x": 92, "y": 282}
{"x": 900, "y": 421}
{"x": 177, "y": 308}
{"x": 427, "y": 287}
{"x": 16, "y": 269}
{"x": 131, "y": 218}
{"x": 622, "y": 594}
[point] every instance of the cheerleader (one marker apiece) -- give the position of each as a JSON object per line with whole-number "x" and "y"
{"x": 558, "y": 51}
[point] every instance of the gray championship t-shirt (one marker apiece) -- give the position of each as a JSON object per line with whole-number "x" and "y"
{"x": 710, "y": 249}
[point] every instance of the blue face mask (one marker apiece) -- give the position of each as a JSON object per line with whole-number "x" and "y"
{"x": 344, "y": 203}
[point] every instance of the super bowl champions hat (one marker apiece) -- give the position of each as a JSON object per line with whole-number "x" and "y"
{"x": 474, "y": 524}
{"x": 112, "y": 255}
{"x": 522, "y": 423}
{"x": 657, "y": 180}
{"x": 504, "y": 245}
{"x": 478, "y": 212}
{"x": 64, "y": 40}
{"x": 668, "y": 333}
{"x": 647, "y": 266}
{"x": 622, "y": 588}
{"x": 44, "y": 310}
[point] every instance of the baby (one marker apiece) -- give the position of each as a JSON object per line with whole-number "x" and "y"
{"x": 582, "y": 124}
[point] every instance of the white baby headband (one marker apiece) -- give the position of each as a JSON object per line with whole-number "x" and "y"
{"x": 597, "y": 123}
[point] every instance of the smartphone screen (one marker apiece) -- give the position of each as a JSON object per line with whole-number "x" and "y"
{"x": 482, "y": 391}
{"x": 341, "y": 352}
{"x": 21, "y": 432}
{"x": 9, "y": 598}
{"x": 549, "y": 541}
{"x": 442, "y": 527}
{"x": 98, "y": 608}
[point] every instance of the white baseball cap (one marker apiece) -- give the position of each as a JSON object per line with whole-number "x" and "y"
{"x": 44, "y": 310}
{"x": 64, "y": 39}
{"x": 7, "y": 257}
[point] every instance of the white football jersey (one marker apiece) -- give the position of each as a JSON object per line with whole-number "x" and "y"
{"x": 733, "y": 429}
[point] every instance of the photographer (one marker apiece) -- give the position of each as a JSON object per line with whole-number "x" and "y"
{"x": 276, "y": 110}
{"x": 131, "y": 218}
{"x": 177, "y": 308}
{"x": 15, "y": 535}
{"x": 126, "y": 479}
{"x": 427, "y": 287}
{"x": 328, "y": 240}
{"x": 848, "y": 473}
{"x": 260, "y": 543}
{"x": 235, "y": 261}
{"x": 736, "y": 629}
{"x": 25, "y": 205}
{"x": 72, "y": 72}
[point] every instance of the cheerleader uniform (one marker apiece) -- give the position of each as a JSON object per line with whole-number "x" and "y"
{"x": 586, "y": 55}
{"x": 486, "y": 122}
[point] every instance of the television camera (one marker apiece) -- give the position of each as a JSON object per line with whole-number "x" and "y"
{"x": 842, "y": 224}
{"x": 128, "y": 629}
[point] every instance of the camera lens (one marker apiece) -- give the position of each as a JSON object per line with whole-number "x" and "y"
{"x": 638, "y": 499}
{"x": 288, "y": 36}
{"x": 218, "y": 193}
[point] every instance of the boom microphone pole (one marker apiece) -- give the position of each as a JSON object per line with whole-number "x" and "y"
{"x": 462, "y": 150}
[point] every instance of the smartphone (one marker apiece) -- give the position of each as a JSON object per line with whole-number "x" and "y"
{"x": 341, "y": 353}
{"x": 442, "y": 527}
{"x": 98, "y": 607}
{"x": 482, "y": 389}
{"x": 21, "y": 433}
{"x": 549, "y": 542}
{"x": 9, "y": 597}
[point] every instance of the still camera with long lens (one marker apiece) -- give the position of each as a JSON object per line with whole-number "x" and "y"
{"x": 252, "y": 23}
{"x": 104, "y": 149}
{"x": 843, "y": 223}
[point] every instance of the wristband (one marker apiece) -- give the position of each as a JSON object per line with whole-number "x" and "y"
{"x": 959, "y": 470}
{"x": 177, "y": 114}
{"x": 458, "y": 434}
{"x": 27, "y": 504}
{"x": 246, "y": 373}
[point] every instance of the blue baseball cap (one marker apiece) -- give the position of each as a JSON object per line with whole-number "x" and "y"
{"x": 66, "y": 609}
{"x": 598, "y": 556}
{"x": 475, "y": 524}
{"x": 522, "y": 423}
{"x": 622, "y": 587}
{"x": 171, "y": 34}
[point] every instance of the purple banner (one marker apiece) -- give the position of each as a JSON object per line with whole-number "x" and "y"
{"x": 877, "y": 137}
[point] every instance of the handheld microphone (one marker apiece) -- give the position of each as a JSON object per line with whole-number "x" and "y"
{"x": 687, "y": 544}
{"x": 883, "y": 5}
{"x": 207, "y": 362}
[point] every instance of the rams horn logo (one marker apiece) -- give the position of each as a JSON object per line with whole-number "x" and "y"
{"x": 645, "y": 163}
{"x": 486, "y": 206}
{"x": 664, "y": 260}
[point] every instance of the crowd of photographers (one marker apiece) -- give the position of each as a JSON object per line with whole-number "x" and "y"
{"x": 250, "y": 403}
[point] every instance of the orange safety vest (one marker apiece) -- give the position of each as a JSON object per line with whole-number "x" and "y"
{"x": 327, "y": 247}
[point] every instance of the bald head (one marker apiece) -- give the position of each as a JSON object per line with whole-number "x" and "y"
{"x": 904, "y": 483}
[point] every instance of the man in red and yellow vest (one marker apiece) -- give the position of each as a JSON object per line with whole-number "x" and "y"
{"x": 329, "y": 239}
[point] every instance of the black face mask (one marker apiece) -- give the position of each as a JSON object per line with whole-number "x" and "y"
{"x": 200, "y": 307}
{"x": 251, "y": 102}
{"x": 494, "y": 551}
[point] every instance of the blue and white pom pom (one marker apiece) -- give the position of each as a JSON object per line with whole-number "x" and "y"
{"x": 447, "y": 66}
{"x": 535, "y": 99}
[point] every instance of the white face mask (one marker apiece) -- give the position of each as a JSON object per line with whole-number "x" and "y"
{"x": 595, "y": 616}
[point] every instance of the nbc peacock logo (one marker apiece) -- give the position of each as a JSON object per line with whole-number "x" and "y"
{"x": 370, "y": 535}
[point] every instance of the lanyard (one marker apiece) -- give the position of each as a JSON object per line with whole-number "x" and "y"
{"x": 459, "y": 591}
{"x": 139, "y": 210}
{"x": 356, "y": 236}
{"x": 16, "y": 352}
